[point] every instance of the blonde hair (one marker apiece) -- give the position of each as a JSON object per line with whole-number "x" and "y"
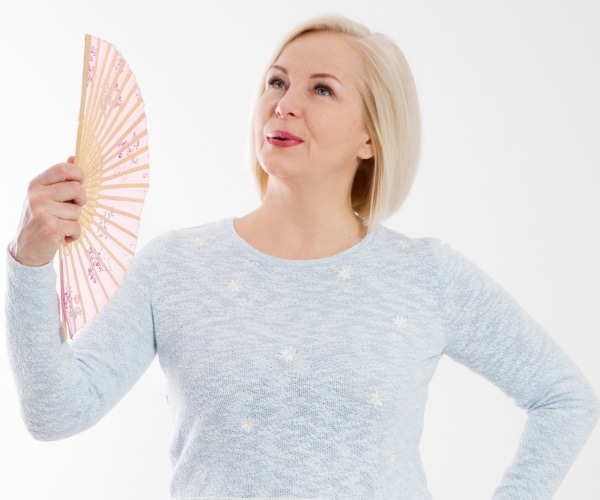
{"x": 391, "y": 113}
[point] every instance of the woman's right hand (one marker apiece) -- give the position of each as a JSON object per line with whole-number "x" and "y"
{"x": 50, "y": 214}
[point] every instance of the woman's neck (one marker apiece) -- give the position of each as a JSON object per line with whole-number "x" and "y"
{"x": 293, "y": 226}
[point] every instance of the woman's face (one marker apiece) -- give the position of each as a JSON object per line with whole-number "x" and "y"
{"x": 309, "y": 121}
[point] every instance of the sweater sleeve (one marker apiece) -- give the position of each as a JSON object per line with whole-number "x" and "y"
{"x": 488, "y": 332}
{"x": 66, "y": 387}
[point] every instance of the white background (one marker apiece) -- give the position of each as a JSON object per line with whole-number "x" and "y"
{"x": 510, "y": 176}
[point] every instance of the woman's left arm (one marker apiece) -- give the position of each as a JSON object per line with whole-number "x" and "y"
{"x": 492, "y": 335}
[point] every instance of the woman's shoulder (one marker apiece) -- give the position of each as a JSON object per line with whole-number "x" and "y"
{"x": 209, "y": 230}
{"x": 181, "y": 241}
{"x": 395, "y": 241}
{"x": 418, "y": 252}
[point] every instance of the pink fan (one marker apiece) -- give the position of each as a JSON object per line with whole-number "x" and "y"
{"x": 112, "y": 148}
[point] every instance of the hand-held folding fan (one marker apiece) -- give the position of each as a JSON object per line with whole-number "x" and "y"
{"x": 112, "y": 148}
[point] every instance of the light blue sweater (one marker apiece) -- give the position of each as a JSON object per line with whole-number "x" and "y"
{"x": 298, "y": 379}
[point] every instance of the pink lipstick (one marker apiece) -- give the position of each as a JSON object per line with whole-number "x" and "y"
{"x": 283, "y": 139}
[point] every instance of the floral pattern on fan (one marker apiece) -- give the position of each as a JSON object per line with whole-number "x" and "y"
{"x": 112, "y": 148}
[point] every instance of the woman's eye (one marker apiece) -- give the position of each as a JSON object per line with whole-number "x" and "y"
{"x": 323, "y": 90}
{"x": 276, "y": 83}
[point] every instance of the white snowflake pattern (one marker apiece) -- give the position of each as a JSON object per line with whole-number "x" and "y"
{"x": 199, "y": 241}
{"x": 400, "y": 322}
{"x": 202, "y": 471}
{"x": 248, "y": 425}
{"x": 345, "y": 273}
{"x": 288, "y": 354}
{"x": 393, "y": 456}
{"x": 234, "y": 286}
{"x": 377, "y": 399}
{"x": 402, "y": 244}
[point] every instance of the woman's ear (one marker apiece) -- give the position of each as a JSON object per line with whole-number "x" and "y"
{"x": 366, "y": 150}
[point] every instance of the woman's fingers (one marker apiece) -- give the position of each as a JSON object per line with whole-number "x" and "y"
{"x": 66, "y": 191}
{"x": 71, "y": 230}
{"x": 60, "y": 172}
{"x": 50, "y": 215}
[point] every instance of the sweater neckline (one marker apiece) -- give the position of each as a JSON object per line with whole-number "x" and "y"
{"x": 259, "y": 255}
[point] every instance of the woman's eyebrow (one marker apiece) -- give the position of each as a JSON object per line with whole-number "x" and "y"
{"x": 312, "y": 77}
{"x": 279, "y": 68}
{"x": 326, "y": 75}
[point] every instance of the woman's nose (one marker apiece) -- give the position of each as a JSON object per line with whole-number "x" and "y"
{"x": 289, "y": 105}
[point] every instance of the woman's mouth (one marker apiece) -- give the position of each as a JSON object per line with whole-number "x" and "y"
{"x": 283, "y": 139}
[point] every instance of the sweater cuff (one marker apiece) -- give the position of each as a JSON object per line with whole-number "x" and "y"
{"x": 34, "y": 278}
{"x": 31, "y": 295}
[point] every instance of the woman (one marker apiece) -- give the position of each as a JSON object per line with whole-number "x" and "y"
{"x": 297, "y": 341}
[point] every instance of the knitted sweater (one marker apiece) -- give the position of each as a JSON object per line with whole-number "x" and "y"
{"x": 297, "y": 379}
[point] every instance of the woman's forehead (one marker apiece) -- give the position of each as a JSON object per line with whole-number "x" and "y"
{"x": 322, "y": 51}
